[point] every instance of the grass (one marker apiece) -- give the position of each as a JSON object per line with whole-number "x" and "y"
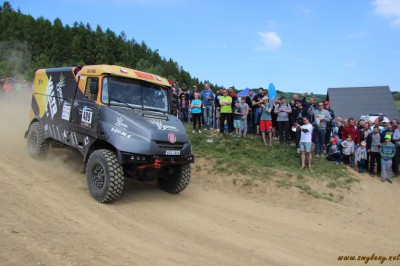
{"x": 276, "y": 164}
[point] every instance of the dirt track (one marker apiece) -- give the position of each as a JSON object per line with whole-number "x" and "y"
{"x": 47, "y": 217}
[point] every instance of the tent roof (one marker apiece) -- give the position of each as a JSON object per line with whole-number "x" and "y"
{"x": 244, "y": 92}
{"x": 352, "y": 102}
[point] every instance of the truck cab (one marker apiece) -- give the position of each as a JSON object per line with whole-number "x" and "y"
{"x": 120, "y": 121}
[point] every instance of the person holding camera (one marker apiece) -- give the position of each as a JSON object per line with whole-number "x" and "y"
{"x": 305, "y": 142}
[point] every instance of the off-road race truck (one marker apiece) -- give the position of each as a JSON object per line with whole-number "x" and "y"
{"x": 118, "y": 118}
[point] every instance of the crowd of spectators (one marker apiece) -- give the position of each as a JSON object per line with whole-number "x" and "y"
{"x": 372, "y": 147}
{"x": 10, "y": 86}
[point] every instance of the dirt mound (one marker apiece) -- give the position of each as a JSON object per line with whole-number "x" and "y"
{"x": 47, "y": 216}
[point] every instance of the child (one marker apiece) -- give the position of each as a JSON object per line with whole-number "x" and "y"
{"x": 387, "y": 151}
{"x": 334, "y": 152}
{"x": 237, "y": 118}
{"x": 348, "y": 150}
{"x": 266, "y": 119}
{"x": 361, "y": 157}
{"x": 196, "y": 111}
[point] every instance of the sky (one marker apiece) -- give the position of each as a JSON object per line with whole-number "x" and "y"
{"x": 298, "y": 45}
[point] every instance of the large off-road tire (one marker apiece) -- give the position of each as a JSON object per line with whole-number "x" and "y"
{"x": 37, "y": 146}
{"x": 176, "y": 179}
{"x": 104, "y": 176}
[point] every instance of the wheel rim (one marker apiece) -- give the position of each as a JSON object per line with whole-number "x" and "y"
{"x": 98, "y": 176}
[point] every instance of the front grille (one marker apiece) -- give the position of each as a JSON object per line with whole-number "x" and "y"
{"x": 169, "y": 146}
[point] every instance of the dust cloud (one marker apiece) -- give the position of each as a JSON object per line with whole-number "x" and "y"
{"x": 14, "y": 120}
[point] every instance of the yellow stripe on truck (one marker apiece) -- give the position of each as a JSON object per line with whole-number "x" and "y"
{"x": 40, "y": 91}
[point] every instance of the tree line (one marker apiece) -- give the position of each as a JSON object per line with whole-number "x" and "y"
{"x": 27, "y": 44}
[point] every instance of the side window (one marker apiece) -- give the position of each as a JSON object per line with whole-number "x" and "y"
{"x": 104, "y": 95}
{"x": 91, "y": 89}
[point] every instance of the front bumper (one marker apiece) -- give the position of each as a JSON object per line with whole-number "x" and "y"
{"x": 156, "y": 160}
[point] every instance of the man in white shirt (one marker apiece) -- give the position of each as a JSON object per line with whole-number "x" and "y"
{"x": 305, "y": 142}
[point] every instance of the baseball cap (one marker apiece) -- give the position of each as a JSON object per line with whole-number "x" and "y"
{"x": 388, "y": 136}
{"x": 334, "y": 140}
{"x": 327, "y": 103}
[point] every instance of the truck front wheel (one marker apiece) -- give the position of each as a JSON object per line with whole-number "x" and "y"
{"x": 175, "y": 178}
{"x": 37, "y": 146}
{"x": 104, "y": 176}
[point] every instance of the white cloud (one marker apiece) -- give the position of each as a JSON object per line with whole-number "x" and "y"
{"x": 270, "y": 41}
{"x": 389, "y": 9}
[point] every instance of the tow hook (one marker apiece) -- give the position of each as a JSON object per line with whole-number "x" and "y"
{"x": 157, "y": 163}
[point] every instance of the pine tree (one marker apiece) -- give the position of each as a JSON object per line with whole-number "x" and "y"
{"x": 27, "y": 44}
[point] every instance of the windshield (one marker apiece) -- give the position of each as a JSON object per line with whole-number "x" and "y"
{"x": 134, "y": 93}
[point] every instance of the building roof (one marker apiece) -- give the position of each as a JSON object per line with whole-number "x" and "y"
{"x": 352, "y": 102}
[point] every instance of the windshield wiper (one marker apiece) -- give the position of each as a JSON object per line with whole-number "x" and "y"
{"x": 119, "y": 101}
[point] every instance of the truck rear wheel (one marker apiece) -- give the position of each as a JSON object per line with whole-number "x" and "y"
{"x": 175, "y": 179}
{"x": 37, "y": 146}
{"x": 104, "y": 176}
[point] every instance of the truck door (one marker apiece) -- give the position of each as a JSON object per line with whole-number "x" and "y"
{"x": 84, "y": 113}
